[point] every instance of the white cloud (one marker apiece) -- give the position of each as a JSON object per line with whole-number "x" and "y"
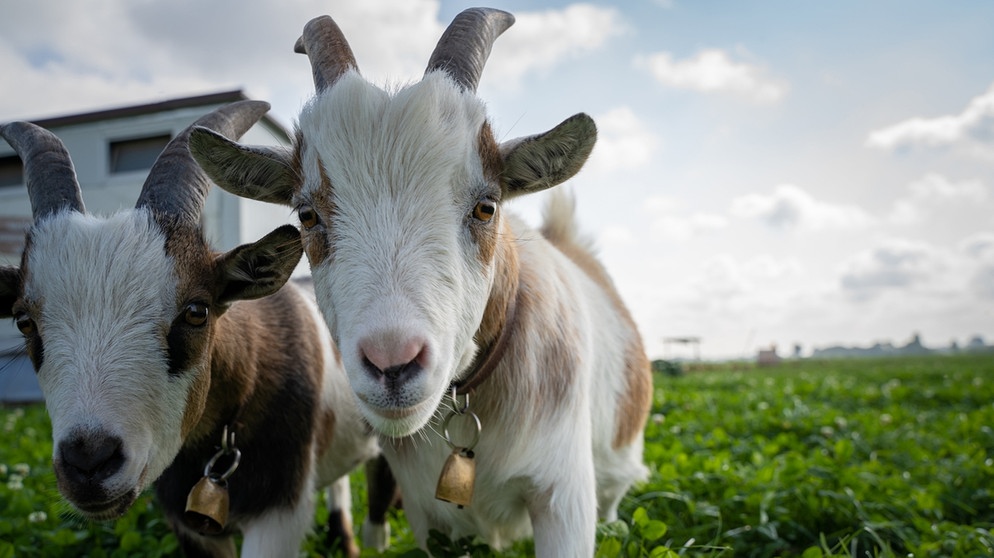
{"x": 540, "y": 40}
{"x": 979, "y": 250}
{"x": 623, "y": 142}
{"x": 892, "y": 264}
{"x": 982, "y": 281}
{"x": 973, "y": 128}
{"x": 684, "y": 227}
{"x": 662, "y": 204}
{"x": 790, "y": 207}
{"x": 936, "y": 187}
{"x": 979, "y": 245}
{"x": 110, "y": 53}
{"x": 928, "y": 278}
{"x": 714, "y": 71}
{"x": 934, "y": 190}
{"x": 616, "y": 235}
{"x": 669, "y": 219}
{"x": 768, "y": 268}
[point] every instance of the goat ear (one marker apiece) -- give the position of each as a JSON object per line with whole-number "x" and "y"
{"x": 261, "y": 268}
{"x": 10, "y": 286}
{"x": 254, "y": 172}
{"x": 535, "y": 163}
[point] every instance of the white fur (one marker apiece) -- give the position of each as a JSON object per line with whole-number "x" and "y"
{"x": 405, "y": 176}
{"x": 404, "y": 147}
{"x": 278, "y": 532}
{"x": 102, "y": 369}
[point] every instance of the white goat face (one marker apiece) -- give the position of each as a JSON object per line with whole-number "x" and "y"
{"x": 97, "y": 308}
{"x": 398, "y": 256}
{"x": 399, "y": 198}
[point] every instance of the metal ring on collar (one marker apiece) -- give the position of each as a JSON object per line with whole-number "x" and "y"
{"x": 476, "y": 435}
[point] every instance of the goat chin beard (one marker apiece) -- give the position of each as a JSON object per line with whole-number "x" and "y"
{"x": 117, "y": 503}
{"x": 399, "y": 422}
{"x": 106, "y": 511}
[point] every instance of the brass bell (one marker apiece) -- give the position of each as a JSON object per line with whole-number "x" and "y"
{"x": 207, "y": 503}
{"x": 207, "y": 506}
{"x": 455, "y": 484}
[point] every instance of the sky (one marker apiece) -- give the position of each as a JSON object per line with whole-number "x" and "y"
{"x": 767, "y": 173}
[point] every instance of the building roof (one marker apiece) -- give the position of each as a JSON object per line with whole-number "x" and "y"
{"x": 160, "y": 106}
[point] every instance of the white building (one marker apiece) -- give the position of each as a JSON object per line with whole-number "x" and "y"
{"x": 112, "y": 151}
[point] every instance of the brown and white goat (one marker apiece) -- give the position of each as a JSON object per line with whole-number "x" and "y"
{"x": 148, "y": 345}
{"x": 430, "y": 289}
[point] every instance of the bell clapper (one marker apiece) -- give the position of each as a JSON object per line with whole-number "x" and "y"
{"x": 207, "y": 504}
{"x": 455, "y": 483}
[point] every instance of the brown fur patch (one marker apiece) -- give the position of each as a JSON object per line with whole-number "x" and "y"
{"x": 558, "y": 362}
{"x": 634, "y": 405}
{"x": 196, "y": 401}
{"x": 317, "y": 240}
{"x": 485, "y": 234}
{"x": 234, "y": 367}
{"x": 506, "y": 269}
{"x": 189, "y": 251}
{"x": 339, "y": 534}
{"x": 490, "y": 159}
{"x": 297, "y": 155}
{"x": 539, "y": 340}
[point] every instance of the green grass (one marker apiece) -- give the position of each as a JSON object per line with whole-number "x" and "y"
{"x": 890, "y": 457}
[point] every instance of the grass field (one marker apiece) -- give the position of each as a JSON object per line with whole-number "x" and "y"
{"x": 890, "y": 457}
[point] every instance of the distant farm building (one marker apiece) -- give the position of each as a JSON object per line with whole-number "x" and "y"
{"x": 693, "y": 342}
{"x": 768, "y": 357}
{"x": 112, "y": 151}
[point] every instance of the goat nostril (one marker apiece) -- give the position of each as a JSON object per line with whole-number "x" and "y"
{"x": 370, "y": 367}
{"x": 401, "y": 371}
{"x": 383, "y": 357}
{"x": 422, "y": 357}
{"x": 91, "y": 458}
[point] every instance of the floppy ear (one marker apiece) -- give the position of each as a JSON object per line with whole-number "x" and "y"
{"x": 254, "y": 172}
{"x": 535, "y": 163}
{"x": 261, "y": 268}
{"x": 10, "y": 286}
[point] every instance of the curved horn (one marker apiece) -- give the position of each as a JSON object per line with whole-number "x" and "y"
{"x": 48, "y": 171}
{"x": 465, "y": 46}
{"x": 330, "y": 55}
{"x": 176, "y": 185}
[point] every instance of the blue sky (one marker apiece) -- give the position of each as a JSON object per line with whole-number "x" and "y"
{"x": 766, "y": 172}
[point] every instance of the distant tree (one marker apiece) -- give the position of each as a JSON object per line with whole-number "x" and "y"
{"x": 976, "y": 343}
{"x": 668, "y": 367}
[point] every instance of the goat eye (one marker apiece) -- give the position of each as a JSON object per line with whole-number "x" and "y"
{"x": 308, "y": 217}
{"x": 195, "y": 313}
{"x": 25, "y": 324}
{"x": 485, "y": 210}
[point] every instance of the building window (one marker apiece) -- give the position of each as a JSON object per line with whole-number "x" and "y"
{"x": 136, "y": 154}
{"x": 11, "y": 171}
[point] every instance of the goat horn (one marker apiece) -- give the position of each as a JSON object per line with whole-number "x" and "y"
{"x": 330, "y": 55}
{"x": 48, "y": 171}
{"x": 465, "y": 46}
{"x": 176, "y": 185}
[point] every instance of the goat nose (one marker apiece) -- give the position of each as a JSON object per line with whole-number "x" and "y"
{"x": 393, "y": 358}
{"x": 91, "y": 457}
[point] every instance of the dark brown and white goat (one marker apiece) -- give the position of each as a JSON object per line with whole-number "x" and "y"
{"x": 430, "y": 289}
{"x": 148, "y": 345}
